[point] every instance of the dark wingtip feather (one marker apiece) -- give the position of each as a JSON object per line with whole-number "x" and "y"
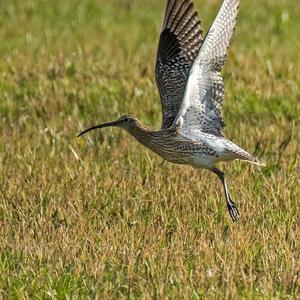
{"x": 181, "y": 33}
{"x": 179, "y": 44}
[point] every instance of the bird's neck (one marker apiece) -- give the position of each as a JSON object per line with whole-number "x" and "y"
{"x": 144, "y": 135}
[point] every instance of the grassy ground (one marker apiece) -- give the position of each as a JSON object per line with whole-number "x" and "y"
{"x": 103, "y": 217}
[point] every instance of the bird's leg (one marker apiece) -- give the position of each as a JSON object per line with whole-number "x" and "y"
{"x": 233, "y": 211}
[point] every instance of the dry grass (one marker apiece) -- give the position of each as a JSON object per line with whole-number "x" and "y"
{"x": 103, "y": 217}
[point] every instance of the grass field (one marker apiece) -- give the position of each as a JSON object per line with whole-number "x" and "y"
{"x": 103, "y": 217}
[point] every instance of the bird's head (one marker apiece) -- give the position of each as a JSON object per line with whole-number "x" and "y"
{"x": 126, "y": 122}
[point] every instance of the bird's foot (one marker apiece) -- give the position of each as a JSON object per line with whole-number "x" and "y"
{"x": 233, "y": 211}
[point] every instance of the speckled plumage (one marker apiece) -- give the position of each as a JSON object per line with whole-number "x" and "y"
{"x": 179, "y": 43}
{"x": 202, "y": 102}
{"x": 188, "y": 75}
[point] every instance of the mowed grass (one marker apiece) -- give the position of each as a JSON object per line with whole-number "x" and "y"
{"x": 102, "y": 217}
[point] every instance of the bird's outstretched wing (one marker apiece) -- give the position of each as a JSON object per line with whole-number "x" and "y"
{"x": 179, "y": 43}
{"x": 204, "y": 92}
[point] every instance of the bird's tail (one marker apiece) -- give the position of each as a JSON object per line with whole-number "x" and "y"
{"x": 245, "y": 156}
{"x": 255, "y": 161}
{"x": 233, "y": 151}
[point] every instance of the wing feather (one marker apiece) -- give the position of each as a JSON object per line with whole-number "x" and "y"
{"x": 204, "y": 93}
{"x": 179, "y": 43}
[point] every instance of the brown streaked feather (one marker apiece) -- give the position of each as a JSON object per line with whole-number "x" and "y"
{"x": 180, "y": 41}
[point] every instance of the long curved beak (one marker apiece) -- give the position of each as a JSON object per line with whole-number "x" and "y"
{"x": 115, "y": 123}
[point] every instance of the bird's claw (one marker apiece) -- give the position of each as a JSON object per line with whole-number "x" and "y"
{"x": 233, "y": 211}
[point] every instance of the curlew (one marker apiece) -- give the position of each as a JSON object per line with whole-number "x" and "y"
{"x": 188, "y": 76}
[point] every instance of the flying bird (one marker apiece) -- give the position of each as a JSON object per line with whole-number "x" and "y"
{"x": 188, "y": 76}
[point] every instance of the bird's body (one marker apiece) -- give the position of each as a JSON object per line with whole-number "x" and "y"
{"x": 188, "y": 75}
{"x": 195, "y": 148}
